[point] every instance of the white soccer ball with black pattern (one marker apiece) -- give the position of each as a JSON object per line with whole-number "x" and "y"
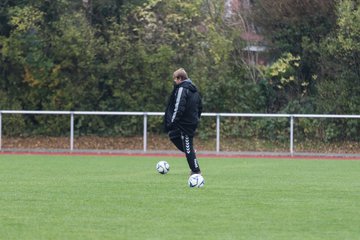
{"x": 163, "y": 167}
{"x": 196, "y": 181}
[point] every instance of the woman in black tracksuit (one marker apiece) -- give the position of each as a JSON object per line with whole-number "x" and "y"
{"x": 182, "y": 116}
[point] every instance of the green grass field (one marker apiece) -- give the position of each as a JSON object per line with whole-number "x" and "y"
{"x": 116, "y": 197}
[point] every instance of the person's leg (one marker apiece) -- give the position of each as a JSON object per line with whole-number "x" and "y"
{"x": 190, "y": 153}
{"x": 175, "y": 138}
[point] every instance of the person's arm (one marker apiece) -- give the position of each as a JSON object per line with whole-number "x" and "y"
{"x": 180, "y": 105}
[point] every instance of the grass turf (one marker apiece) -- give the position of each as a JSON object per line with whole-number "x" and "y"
{"x": 108, "y": 197}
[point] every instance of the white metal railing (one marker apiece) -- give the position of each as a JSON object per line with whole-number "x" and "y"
{"x": 146, "y": 114}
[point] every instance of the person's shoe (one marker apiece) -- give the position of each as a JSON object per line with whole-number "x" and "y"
{"x": 191, "y": 173}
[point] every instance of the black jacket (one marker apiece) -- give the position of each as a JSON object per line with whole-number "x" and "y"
{"x": 184, "y": 108}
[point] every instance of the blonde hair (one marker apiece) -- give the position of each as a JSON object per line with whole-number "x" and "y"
{"x": 180, "y": 73}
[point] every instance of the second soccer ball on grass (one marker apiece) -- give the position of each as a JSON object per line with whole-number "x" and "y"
{"x": 163, "y": 167}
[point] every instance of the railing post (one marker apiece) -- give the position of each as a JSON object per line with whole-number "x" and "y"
{"x": 145, "y": 132}
{"x": 71, "y": 131}
{"x": 0, "y": 129}
{"x": 217, "y": 132}
{"x": 292, "y": 135}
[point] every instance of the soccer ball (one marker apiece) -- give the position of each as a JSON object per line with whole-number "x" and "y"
{"x": 196, "y": 181}
{"x": 162, "y": 167}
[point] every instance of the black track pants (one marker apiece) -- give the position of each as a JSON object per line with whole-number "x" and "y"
{"x": 185, "y": 144}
